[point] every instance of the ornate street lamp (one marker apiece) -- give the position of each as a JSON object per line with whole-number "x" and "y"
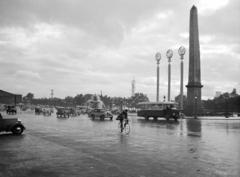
{"x": 169, "y": 55}
{"x": 181, "y": 52}
{"x": 158, "y": 58}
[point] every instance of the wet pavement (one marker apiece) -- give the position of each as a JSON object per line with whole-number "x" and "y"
{"x": 82, "y": 147}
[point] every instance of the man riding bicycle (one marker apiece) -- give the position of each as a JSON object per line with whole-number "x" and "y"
{"x": 123, "y": 117}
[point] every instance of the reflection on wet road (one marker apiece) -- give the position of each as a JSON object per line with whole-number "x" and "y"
{"x": 82, "y": 147}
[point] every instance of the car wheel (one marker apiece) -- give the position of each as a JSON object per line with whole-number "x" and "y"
{"x": 102, "y": 117}
{"x": 168, "y": 116}
{"x": 17, "y": 130}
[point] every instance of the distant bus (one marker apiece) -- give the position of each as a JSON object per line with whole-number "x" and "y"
{"x": 167, "y": 110}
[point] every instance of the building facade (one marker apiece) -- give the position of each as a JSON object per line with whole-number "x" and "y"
{"x": 9, "y": 98}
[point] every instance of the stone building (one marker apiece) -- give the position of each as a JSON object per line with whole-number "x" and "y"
{"x": 9, "y": 98}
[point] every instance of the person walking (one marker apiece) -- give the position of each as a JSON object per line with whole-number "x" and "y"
{"x": 123, "y": 118}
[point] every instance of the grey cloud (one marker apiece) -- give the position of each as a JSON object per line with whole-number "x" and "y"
{"x": 223, "y": 22}
{"x": 98, "y": 47}
{"x": 103, "y": 19}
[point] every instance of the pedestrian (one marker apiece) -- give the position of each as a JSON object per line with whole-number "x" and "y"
{"x": 123, "y": 117}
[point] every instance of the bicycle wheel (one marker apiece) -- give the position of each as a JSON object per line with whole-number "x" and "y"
{"x": 126, "y": 129}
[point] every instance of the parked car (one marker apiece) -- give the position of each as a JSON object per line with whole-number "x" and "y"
{"x": 72, "y": 111}
{"x": 11, "y": 110}
{"x": 100, "y": 113}
{"x": 62, "y": 112}
{"x": 11, "y": 125}
{"x": 38, "y": 110}
{"x": 46, "y": 111}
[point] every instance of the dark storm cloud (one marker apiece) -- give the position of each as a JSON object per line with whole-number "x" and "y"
{"x": 101, "y": 18}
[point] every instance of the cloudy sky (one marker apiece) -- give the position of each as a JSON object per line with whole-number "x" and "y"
{"x": 85, "y": 46}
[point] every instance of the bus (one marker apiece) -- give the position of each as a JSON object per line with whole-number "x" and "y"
{"x": 167, "y": 110}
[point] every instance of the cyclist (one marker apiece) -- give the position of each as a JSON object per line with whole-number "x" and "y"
{"x": 123, "y": 117}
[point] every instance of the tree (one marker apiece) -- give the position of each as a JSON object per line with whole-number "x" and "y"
{"x": 107, "y": 101}
{"x": 234, "y": 93}
{"x": 87, "y": 97}
{"x": 225, "y": 102}
{"x": 69, "y": 101}
{"x": 137, "y": 98}
{"x": 79, "y": 99}
{"x": 29, "y": 97}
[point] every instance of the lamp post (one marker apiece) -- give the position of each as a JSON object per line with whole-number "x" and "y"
{"x": 181, "y": 52}
{"x": 158, "y": 58}
{"x": 169, "y": 55}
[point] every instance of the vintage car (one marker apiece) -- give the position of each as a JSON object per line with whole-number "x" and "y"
{"x": 72, "y": 111}
{"x": 11, "y": 125}
{"x": 38, "y": 110}
{"x": 11, "y": 110}
{"x": 167, "y": 110}
{"x": 46, "y": 111}
{"x": 100, "y": 113}
{"x": 62, "y": 112}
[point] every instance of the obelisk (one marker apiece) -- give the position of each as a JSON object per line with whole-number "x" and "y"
{"x": 194, "y": 106}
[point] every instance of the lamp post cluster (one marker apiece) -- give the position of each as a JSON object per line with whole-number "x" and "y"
{"x": 169, "y": 54}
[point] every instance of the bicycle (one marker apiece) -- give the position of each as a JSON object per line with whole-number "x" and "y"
{"x": 126, "y": 127}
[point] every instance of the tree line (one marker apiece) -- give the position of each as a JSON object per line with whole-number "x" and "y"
{"x": 226, "y": 102}
{"x": 81, "y": 99}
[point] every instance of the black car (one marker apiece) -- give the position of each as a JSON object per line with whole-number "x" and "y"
{"x": 100, "y": 113}
{"x": 11, "y": 125}
{"x": 11, "y": 110}
{"x": 62, "y": 112}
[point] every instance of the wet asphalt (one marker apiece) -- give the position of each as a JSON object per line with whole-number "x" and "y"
{"x": 81, "y": 147}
